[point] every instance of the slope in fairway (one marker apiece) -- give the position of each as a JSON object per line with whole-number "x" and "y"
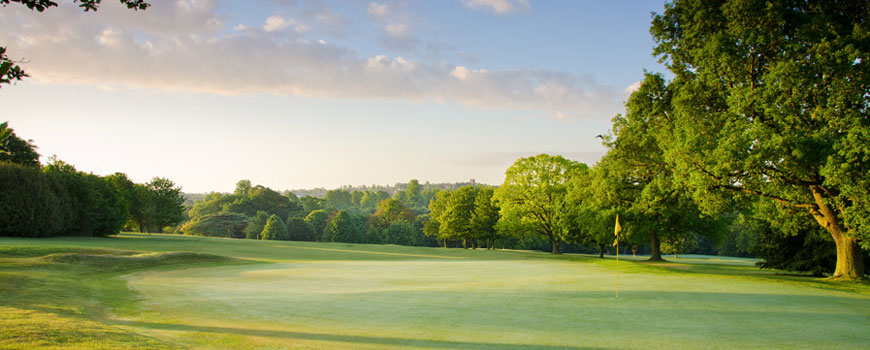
{"x": 341, "y": 296}
{"x": 487, "y": 301}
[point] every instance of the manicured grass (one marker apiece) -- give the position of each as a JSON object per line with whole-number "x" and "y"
{"x": 137, "y": 291}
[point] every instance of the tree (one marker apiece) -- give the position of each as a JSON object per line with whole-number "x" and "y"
{"x": 275, "y": 229}
{"x": 530, "y": 195}
{"x": 96, "y": 208}
{"x": 5, "y": 132}
{"x": 167, "y": 203}
{"x": 391, "y": 211}
{"x": 402, "y": 233}
{"x": 242, "y": 188}
{"x": 256, "y": 224}
{"x": 310, "y": 203}
{"x": 344, "y": 226}
{"x": 338, "y": 199}
{"x": 485, "y": 216}
{"x": 16, "y": 150}
{"x": 455, "y": 215}
{"x": 230, "y": 225}
{"x": 270, "y": 201}
{"x": 10, "y": 70}
{"x": 299, "y": 230}
{"x": 317, "y": 219}
{"x": 587, "y": 213}
{"x": 771, "y": 101}
{"x": 638, "y": 181}
{"x": 126, "y": 188}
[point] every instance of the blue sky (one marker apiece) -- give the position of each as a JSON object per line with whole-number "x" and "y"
{"x": 307, "y": 93}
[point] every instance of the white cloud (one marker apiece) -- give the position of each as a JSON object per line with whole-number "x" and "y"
{"x": 278, "y": 23}
{"x": 378, "y": 10}
{"x": 498, "y": 7}
{"x": 460, "y": 73}
{"x": 191, "y": 55}
{"x": 631, "y": 88}
{"x": 397, "y": 29}
{"x": 397, "y": 23}
{"x": 109, "y": 37}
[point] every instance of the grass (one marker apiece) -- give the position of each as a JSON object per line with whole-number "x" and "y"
{"x": 168, "y": 292}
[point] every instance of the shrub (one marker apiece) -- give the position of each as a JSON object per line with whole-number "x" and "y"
{"x": 217, "y": 225}
{"x": 275, "y": 229}
{"x": 299, "y": 230}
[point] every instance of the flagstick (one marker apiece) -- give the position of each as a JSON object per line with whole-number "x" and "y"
{"x": 617, "y": 269}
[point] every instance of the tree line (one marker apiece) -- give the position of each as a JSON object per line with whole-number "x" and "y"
{"x": 55, "y": 199}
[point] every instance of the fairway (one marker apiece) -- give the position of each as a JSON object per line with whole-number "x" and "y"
{"x": 278, "y": 295}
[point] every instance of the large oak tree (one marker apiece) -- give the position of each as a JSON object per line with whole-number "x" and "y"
{"x": 772, "y": 99}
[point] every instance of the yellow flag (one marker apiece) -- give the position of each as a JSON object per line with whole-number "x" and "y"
{"x": 616, "y": 231}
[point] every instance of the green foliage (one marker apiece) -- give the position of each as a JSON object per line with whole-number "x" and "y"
{"x": 770, "y": 100}
{"x": 344, "y": 226}
{"x": 391, "y": 211}
{"x": 455, "y": 214}
{"x": 86, "y": 5}
{"x": 299, "y": 230}
{"x": 18, "y": 151}
{"x": 317, "y": 219}
{"x": 373, "y": 236}
{"x": 98, "y": 210}
{"x": 275, "y": 229}
{"x": 310, "y": 204}
{"x": 32, "y": 204}
{"x": 230, "y": 225}
{"x": 166, "y": 204}
{"x": 530, "y": 196}
{"x": 338, "y": 199}
{"x": 255, "y": 225}
{"x": 485, "y": 215}
{"x": 242, "y": 188}
{"x": 402, "y": 233}
{"x": 212, "y": 204}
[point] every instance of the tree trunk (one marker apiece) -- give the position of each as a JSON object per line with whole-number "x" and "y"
{"x": 601, "y": 251}
{"x": 850, "y": 262}
{"x": 464, "y": 243}
{"x": 656, "y": 247}
{"x": 555, "y": 244}
{"x": 474, "y": 244}
{"x": 445, "y": 242}
{"x": 634, "y": 250}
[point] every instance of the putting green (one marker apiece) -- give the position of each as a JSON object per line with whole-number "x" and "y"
{"x": 145, "y": 292}
{"x": 481, "y": 303}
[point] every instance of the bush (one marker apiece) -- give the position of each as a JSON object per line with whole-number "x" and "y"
{"x": 31, "y": 203}
{"x": 256, "y": 224}
{"x": 344, "y": 227}
{"x": 401, "y": 233}
{"x": 299, "y": 230}
{"x": 217, "y": 225}
{"x": 275, "y": 229}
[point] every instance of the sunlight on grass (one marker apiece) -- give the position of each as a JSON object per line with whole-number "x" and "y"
{"x": 164, "y": 291}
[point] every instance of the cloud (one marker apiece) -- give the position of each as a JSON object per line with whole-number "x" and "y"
{"x": 378, "y": 10}
{"x": 278, "y": 23}
{"x": 631, "y": 88}
{"x": 498, "y": 7}
{"x": 187, "y": 51}
{"x": 397, "y": 24}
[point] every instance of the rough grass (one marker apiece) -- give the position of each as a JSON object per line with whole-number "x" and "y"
{"x": 163, "y": 291}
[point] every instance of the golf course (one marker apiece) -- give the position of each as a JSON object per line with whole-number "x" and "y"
{"x": 135, "y": 291}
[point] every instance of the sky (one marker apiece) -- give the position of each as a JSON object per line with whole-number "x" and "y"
{"x": 323, "y": 93}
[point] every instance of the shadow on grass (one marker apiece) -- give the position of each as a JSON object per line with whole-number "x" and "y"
{"x": 359, "y": 339}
